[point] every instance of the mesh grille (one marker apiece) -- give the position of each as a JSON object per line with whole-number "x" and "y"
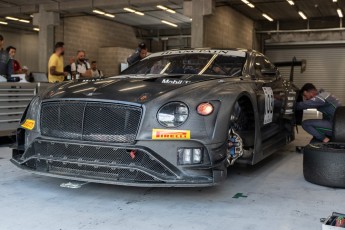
{"x": 90, "y": 121}
{"x": 97, "y": 162}
{"x": 99, "y": 173}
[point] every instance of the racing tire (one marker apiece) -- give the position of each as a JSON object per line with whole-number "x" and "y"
{"x": 339, "y": 125}
{"x": 324, "y": 164}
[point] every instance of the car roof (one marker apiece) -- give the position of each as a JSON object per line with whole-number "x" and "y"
{"x": 227, "y": 52}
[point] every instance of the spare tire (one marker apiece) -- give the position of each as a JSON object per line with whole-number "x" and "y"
{"x": 339, "y": 125}
{"x": 324, "y": 164}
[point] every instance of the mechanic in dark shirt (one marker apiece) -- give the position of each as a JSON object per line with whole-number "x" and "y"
{"x": 17, "y": 69}
{"x": 140, "y": 53}
{"x": 324, "y": 102}
{"x": 6, "y": 68}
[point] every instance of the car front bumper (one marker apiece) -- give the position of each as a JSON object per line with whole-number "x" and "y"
{"x": 130, "y": 165}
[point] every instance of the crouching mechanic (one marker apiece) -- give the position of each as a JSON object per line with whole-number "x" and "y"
{"x": 324, "y": 102}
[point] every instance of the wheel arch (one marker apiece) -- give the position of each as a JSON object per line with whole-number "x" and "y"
{"x": 249, "y": 133}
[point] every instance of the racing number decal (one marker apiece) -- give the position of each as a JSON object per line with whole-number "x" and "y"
{"x": 269, "y": 103}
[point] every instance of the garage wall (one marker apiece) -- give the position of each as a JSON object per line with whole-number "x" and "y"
{"x": 303, "y": 37}
{"x": 325, "y": 66}
{"x": 91, "y": 33}
{"x": 227, "y": 28}
{"x": 110, "y": 57}
{"x": 27, "y": 47}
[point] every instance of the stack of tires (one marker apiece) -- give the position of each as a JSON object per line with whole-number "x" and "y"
{"x": 324, "y": 163}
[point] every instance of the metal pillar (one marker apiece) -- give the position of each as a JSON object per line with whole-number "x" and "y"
{"x": 46, "y": 22}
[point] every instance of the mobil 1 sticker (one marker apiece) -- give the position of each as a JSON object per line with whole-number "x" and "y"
{"x": 269, "y": 104}
{"x": 175, "y": 82}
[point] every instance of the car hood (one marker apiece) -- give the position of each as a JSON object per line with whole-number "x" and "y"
{"x": 135, "y": 89}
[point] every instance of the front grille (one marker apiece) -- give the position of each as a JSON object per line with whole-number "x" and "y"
{"x": 90, "y": 121}
{"x": 96, "y": 162}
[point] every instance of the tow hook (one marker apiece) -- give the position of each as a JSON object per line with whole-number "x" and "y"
{"x": 75, "y": 184}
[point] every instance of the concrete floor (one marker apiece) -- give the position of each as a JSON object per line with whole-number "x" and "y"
{"x": 275, "y": 196}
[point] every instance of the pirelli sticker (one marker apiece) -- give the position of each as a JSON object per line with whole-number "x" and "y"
{"x": 29, "y": 124}
{"x": 167, "y": 134}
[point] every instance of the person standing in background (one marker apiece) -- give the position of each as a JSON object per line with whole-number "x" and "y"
{"x": 6, "y": 69}
{"x": 140, "y": 53}
{"x": 17, "y": 69}
{"x": 95, "y": 71}
{"x": 55, "y": 65}
{"x": 67, "y": 68}
{"x": 81, "y": 68}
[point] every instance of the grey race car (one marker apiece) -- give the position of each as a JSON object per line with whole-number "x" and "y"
{"x": 176, "y": 118}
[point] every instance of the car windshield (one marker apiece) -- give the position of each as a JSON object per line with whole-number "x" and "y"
{"x": 189, "y": 63}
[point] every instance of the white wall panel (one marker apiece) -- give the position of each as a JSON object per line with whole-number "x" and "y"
{"x": 27, "y": 48}
{"x": 325, "y": 67}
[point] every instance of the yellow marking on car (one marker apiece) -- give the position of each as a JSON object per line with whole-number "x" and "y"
{"x": 167, "y": 134}
{"x": 29, "y": 124}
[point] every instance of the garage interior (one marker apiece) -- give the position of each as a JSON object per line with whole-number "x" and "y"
{"x": 271, "y": 194}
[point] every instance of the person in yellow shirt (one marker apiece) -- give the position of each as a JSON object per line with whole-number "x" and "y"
{"x": 55, "y": 65}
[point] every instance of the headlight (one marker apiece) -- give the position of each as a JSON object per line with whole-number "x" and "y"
{"x": 172, "y": 114}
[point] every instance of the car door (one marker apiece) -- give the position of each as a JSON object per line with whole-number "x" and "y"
{"x": 270, "y": 95}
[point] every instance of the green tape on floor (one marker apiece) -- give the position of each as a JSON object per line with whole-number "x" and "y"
{"x": 238, "y": 195}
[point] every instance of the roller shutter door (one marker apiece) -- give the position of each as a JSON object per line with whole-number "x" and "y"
{"x": 325, "y": 67}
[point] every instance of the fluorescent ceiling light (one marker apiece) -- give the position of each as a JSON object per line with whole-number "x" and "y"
{"x": 36, "y": 29}
{"x": 162, "y": 7}
{"x": 134, "y": 11}
{"x": 98, "y": 12}
{"x": 340, "y": 13}
{"x": 334, "y": 0}
{"x": 171, "y": 11}
{"x": 166, "y": 9}
{"x": 12, "y": 18}
{"x": 267, "y": 17}
{"x": 129, "y": 10}
{"x": 110, "y": 15}
{"x": 302, "y": 15}
{"x": 139, "y": 13}
{"x": 25, "y": 21}
{"x": 248, "y": 3}
{"x": 3, "y": 23}
{"x": 169, "y": 23}
{"x": 291, "y": 2}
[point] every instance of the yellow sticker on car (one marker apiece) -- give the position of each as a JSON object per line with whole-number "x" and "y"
{"x": 167, "y": 134}
{"x": 29, "y": 124}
